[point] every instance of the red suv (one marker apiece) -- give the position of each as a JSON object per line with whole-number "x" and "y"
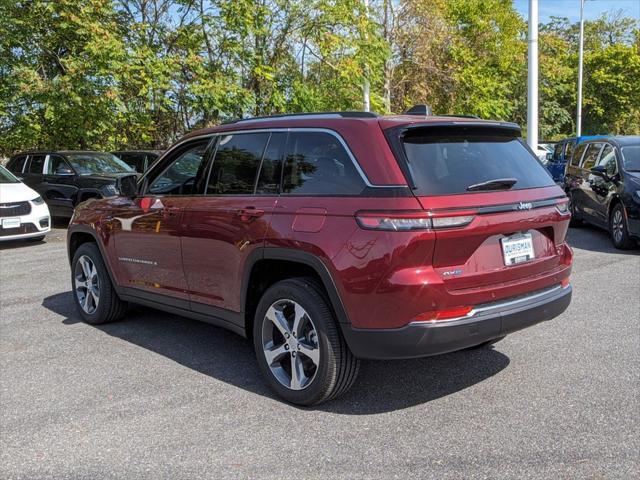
{"x": 332, "y": 237}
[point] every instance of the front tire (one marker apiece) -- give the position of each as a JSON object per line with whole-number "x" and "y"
{"x": 93, "y": 293}
{"x": 576, "y": 220}
{"x": 299, "y": 347}
{"x": 618, "y": 229}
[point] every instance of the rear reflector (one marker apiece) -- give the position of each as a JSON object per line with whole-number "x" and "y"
{"x": 446, "y": 314}
{"x": 565, "y": 282}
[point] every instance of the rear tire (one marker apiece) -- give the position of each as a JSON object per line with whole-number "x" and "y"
{"x": 93, "y": 293}
{"x": 309, "y": 360}
{"x": 618, "y": 229}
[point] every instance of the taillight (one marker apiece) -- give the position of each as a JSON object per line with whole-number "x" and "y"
{"x": 446, "y": 314}
{"x": 394, "y": 221}
{"x": 414, "y": 220}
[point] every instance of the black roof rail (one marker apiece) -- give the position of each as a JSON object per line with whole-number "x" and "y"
{"x": 460, "y": 116}
{"x": 347, "y": 114}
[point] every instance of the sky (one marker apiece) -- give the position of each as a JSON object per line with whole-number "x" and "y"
{"x": 571, "y": 8}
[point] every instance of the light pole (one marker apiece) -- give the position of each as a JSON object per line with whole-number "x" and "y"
{"x": 580, "y": 61}
{"x": 366, "y": 86}
{"x": 532, "y": 87}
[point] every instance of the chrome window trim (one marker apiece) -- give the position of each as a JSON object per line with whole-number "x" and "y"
{"x": 335, "y": 134}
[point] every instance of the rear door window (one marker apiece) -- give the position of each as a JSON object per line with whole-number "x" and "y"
{"x": 318, "y": 164}
{"x": 271, "y": 168}
{"x": 608, "y": 160}
{"x": 591, "y": 157}
{"x": 37, "y": 164}
{"x": 236, "y": 163}
{"x": 445, "y": 161}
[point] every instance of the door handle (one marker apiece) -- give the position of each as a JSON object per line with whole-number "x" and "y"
{"x": 249, "y": 213}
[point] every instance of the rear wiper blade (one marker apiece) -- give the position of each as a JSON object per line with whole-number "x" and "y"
{"x": 495, "y": 184}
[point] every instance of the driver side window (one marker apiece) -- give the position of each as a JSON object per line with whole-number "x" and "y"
{"x": 180, "y": 177}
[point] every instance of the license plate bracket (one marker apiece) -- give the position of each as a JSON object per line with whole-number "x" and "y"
{"x": 517, "y": 249}
{"x": 11, "y": 222}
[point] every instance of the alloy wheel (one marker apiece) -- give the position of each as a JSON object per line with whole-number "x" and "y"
{"x": 290, "y": 344}
{"x": 617, "y": 226}
{"x": 87, "y": 284}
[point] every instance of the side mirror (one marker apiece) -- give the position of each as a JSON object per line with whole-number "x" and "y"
{"x": 64, "y": 171}
{"x": 127, "y": 185}
{"x": 599, "y": 171}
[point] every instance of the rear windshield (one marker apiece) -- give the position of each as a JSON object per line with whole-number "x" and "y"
{"x": 446, "y": 161}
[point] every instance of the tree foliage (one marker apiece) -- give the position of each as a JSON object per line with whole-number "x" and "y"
{"x": 107, "y": 74}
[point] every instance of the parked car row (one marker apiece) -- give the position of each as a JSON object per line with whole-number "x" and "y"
{"x": 601, "y": 176}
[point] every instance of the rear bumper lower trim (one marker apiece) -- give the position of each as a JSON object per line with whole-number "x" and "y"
{"x": 421, "y": 339}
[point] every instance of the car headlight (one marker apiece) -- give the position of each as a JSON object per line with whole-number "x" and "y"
{"x": 38, "y": 200}
{"x": 109, "y": 190}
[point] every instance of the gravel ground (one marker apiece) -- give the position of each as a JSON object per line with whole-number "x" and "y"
{"x": 159, "y": 396}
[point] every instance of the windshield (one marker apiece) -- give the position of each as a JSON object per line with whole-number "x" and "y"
{"x": 6, "y": 176}
{"x": 88, "y": 163}
{"x": 446, "y": 161}
{"x": 631, "y": 158}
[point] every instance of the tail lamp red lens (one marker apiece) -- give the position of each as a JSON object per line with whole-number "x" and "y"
{"x": 406, "y": 221}
{"x": 445, "y": 314}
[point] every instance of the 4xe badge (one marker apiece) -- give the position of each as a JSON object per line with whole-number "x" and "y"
{"x": 524, "y": 206}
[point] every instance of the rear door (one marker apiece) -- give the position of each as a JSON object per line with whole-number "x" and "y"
{"x": 34, "y": 172}
{"x": 224, "y": 226}
{"x": 494, "y": 210}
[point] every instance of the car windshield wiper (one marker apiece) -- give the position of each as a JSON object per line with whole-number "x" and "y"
{"x": 495, "y": 184}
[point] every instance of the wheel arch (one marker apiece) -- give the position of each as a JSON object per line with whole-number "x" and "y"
{"x": 79, "y": 235}
{"x": 266, "y": 266}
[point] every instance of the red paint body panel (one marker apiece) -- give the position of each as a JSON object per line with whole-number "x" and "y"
{"x": 199, "y": 245}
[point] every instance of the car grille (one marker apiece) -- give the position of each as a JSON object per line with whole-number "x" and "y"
{"x": 21, "y": 230}
{"x": 15, "y": 209}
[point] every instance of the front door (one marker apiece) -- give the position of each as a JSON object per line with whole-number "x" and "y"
{"x": 227, "y": 224}
{"x": 147, "y": 230}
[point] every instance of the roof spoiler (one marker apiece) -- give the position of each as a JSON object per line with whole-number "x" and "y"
{"x": 421, "y": 109}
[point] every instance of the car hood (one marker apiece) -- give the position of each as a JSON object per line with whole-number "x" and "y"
{"x": 16, "y": 192}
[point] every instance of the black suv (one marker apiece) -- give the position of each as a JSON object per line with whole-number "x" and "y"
{"x": 67, "y": 178}
{"x": 139, "y": 160}
{"x": 603, "y": 185}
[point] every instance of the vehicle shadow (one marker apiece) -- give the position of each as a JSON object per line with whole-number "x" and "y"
{"x": 382, "y": 386}
{"x": 587, "y": 237}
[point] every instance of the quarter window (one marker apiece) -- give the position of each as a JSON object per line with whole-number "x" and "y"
{"x": 591, "y": 156}
{"x": 16, "y": 164}
{"x": 236, "y": 164}
{"x": 318, "y": 164}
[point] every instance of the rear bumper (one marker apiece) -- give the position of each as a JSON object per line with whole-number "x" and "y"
{"x": 421, "y": 339}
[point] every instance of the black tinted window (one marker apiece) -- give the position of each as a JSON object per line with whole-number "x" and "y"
{"x": 577, "y": 155}
{"x": 318, "y": 164}
{"x": 271, "y": 169}
{"x": 236, "y": 163}
{"x": 448, "y": 162}
{"x": 591, "y": 156}
{"x": 58, "y": 166}
{"x": 631, "y": 158}
{"x": 37, "y": 164}
{"x": 180, "y": 177}
{"x": 16, "y": 164}
{"x": 569, "y": 150}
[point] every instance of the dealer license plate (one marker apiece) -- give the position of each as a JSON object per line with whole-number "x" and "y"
{"x": 517, "y": 249}
{"x": 13, "y": 222}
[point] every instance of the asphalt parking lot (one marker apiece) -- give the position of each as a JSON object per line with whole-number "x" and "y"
{"x": 158, "y": 396}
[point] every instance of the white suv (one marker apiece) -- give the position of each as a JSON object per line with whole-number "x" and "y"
{"x": 23, "y": 213}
